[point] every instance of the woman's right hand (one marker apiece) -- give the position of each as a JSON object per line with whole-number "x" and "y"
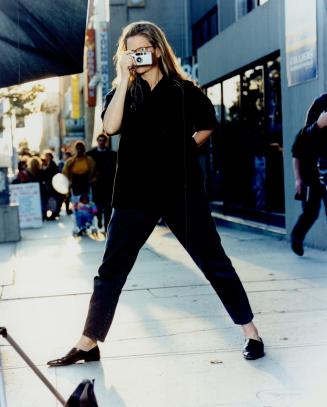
{"x": 126, "y": 62}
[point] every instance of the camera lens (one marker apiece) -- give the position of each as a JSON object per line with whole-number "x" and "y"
{"x": 138, "y": 59}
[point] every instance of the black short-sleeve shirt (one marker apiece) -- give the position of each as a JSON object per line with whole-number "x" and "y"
{"x": 157, "y": 157}
{"x": 311, "y": 142}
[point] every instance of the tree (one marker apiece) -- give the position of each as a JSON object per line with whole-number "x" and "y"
{"x": 22, "y": 102}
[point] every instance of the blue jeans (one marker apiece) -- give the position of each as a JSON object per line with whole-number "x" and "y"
{"x": 83, "y": 220}
{"x": 128, "y": 231}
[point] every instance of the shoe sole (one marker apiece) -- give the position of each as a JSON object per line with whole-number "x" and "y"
{"x": 251, "y": 358}
{"x": 75, "y": 363}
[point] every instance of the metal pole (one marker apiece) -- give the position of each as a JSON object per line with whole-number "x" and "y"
{"x": 18, "y": 349}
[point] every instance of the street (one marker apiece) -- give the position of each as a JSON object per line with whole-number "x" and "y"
{"x": 171, "y": 343}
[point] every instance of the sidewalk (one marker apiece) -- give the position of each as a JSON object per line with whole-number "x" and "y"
{"x": 171, "y": 343}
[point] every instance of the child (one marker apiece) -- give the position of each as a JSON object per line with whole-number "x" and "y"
{"x": 84, "y": 213}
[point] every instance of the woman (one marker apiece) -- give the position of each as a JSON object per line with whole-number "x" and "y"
{"x": 157, "y": 111}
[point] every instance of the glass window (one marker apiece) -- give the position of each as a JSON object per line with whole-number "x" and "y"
{"x": 231, "y": 141}
{"x": 232, "y": 98}
{"x": 245, "y": 157}
{"x": 253, "y": 115}
{"x": 214, "y": 180}
{"x": 214, "y": 94}
{"x": 274, "y": 154}
{"x": 205, "y": 29}
{"x": 243, "y": 7}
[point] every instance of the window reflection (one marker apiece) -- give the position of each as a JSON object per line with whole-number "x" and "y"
{"x": 232, "y": 98}
{"x": 214, "y": 187}
{"x": 232, "y": 142}
{"x": 275, "y": 173}
{"x": 255, "y": 149}
{"x": 246, "y": 152}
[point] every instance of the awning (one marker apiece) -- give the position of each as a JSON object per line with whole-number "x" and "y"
{"x": 41, "y": 38}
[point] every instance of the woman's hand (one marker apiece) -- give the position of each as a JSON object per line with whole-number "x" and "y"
{"x": 299, "y": 186}
{"x": 126, "y": 62}
{"x": 322, "y": 120}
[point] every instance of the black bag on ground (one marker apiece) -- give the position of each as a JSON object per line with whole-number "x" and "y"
{"x": 83, "y": 395}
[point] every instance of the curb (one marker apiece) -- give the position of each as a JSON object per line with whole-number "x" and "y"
{"x": 247, "y": 225}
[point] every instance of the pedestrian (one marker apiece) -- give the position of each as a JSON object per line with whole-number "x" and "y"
{"x": 22, "y": 174}
{"x": 102, "y": 187}
{"x": 309, "y": 149}
{"x": 50, "y": 169}
{"x": 84, "y": 211}
{"x": 66, "y": 154}
{"x": 79, "y": 169}
{"x": 157, "y": 111}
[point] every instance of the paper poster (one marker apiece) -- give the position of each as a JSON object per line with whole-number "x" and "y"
{"x": 27, "y": 196}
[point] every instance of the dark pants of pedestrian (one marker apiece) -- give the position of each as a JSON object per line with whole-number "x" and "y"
{"x": 104, "y": 211}
{"x": 103, "y": 203}
{"x": 194, "y": 227}
{"x": 311, "y": 208}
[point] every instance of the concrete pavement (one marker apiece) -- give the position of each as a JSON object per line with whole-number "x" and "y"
{"x": 171, "y": 343}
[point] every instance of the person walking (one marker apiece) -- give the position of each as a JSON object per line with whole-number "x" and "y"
{"x": 102, "y": 187}
{"x": 162, "y": 118}
{"x": 309, "y": 149}
{"x": 66, "y": 199}
{"x": 50, "y": 169}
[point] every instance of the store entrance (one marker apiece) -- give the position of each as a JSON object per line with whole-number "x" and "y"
{"x": 245, "y": 157}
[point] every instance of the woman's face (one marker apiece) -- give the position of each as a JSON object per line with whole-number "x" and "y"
{"x": 135, "y": 44}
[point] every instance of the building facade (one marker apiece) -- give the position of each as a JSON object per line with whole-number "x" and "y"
{"x": 262, "y": 71}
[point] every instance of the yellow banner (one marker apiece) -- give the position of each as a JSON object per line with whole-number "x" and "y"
{"x": 76, "y": 109}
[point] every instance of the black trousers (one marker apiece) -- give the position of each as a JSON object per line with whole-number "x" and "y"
{"x": 194, "y": 227}
{"x": 311, "y": 208}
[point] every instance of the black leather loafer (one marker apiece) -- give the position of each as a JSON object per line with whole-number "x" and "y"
{"x": 75, "y": 355}
{"x": 253, "y": 349}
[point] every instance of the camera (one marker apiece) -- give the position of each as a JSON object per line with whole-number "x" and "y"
{"x": 142, "y": 58}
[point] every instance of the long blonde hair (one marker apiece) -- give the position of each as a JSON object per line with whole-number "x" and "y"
{"x": 168, "y": 62}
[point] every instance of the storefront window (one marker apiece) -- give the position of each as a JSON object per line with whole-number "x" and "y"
{"x": 253, "y": 116}
{"x": 214, "y": 187}
{"x": 275, "y": 173}
{"x": 246, "y": 151}
{"x": 232, "y": 98}
{"x": 231, "y": 141}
